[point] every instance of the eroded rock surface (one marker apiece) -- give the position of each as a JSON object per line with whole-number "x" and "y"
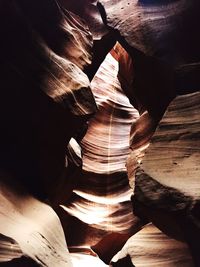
{"x": 45, "y": 98}
{"x": 175, "y": 148}
{"x": 150, "y": 247}
{"x": 157, "y": 28}
{"x": 44, "y": 90}
{"x": 167, "y": 180}
{"x": 34, "y": 227}
{"x": 101, "y": 200}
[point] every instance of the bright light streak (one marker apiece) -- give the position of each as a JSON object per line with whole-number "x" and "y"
{"x": 79, "y": 259}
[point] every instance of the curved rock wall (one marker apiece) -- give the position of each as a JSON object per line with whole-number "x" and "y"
{"x": 102, "y": 196}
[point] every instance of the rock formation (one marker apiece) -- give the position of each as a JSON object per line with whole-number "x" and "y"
{"x": 175, "y": 181}
{"x": 45, "y": 98}
{"x": 124, "y": 63}
{"x": 33, "y": 225}
{"x": 101, "y": 200}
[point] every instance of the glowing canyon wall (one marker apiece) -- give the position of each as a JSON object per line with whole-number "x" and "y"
{"x": 100, "y": 133}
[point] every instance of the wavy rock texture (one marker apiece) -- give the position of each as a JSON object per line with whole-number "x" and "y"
{"x": 43, "y": 89}
{"x": 7, "y": 254}
{"x": 44, "y": 99}
{"x": 150, "y": 247}
{"x": 101, "y": 199}
{"x": 166, "y": 60}
{"x": 34, "y": 227}
{"x": 167, "y": 180}
{"x": 175, "y": 145}
{"x": 157, "y": 29}
{"x": 56, "y": 52}
{"x": 108, "y": 132}
{"x": 45, "y": 51}
{"x": 88, "y": 10}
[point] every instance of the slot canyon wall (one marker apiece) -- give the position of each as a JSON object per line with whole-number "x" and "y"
{"x": 100, "y": 133}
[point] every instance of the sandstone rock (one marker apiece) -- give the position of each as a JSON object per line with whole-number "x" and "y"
{"x": 33, "y": 225}
{"x": 150, "y": 247}
{"x": 44, "y": 90}
{"x": 157, "y": 29}
{"x": 173, "y": 155}
{"x": 101, "y": 199}
{"x": 167, "y": 180}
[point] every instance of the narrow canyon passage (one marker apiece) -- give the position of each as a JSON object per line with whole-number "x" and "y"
{"x": 99, "y": 133}
{"x": 101, "y": 201}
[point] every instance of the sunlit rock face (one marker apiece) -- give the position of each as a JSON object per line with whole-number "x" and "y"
{"x": 108, "y": 132}
{"x": 175, "y": 145}
{"x": 101, "y": 200}
{"x": 150, "y": 247}
{"x": 167, "y": 176}
{"x": 166, "y": 59}
{"x": 102, "y": 196}
{"x": 46, "y": 99}
{"x": 37, "y": 235}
